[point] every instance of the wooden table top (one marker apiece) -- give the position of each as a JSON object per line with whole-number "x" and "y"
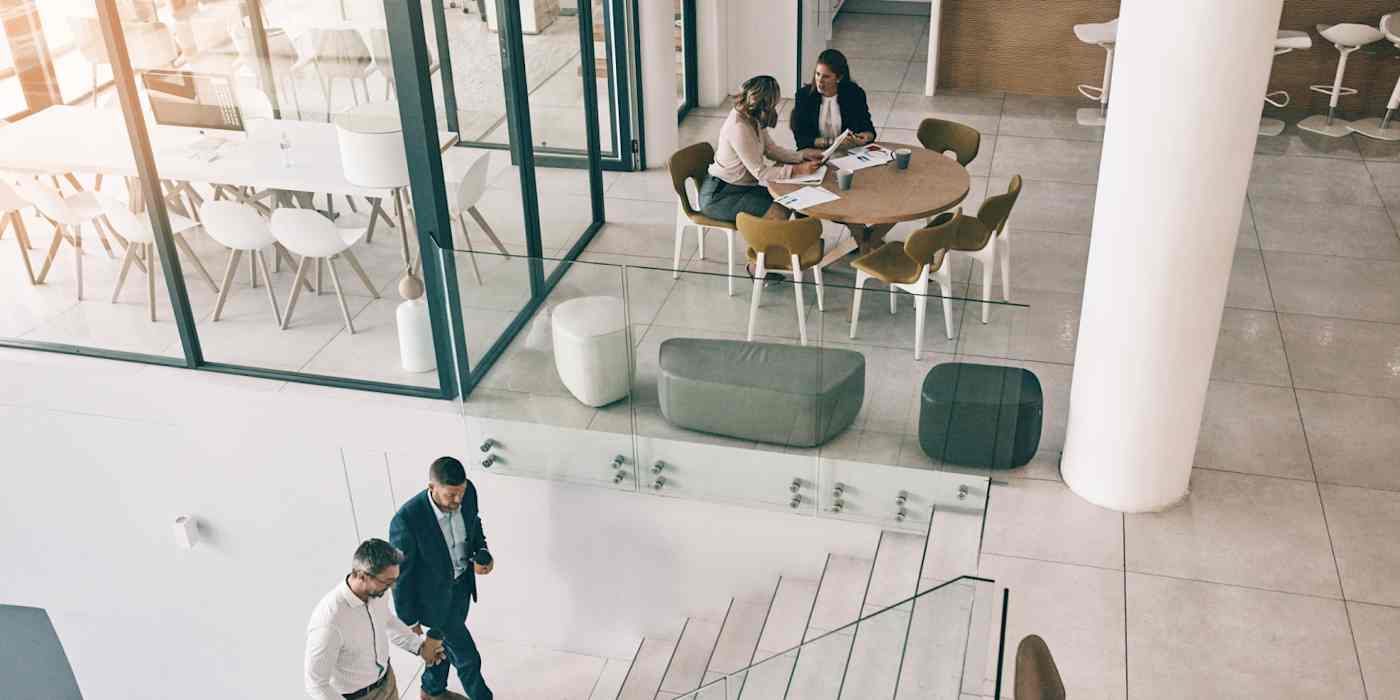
{"x": 885, "y": 194}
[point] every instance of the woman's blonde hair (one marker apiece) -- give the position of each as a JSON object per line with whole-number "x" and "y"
{"x": 757, "y": 101}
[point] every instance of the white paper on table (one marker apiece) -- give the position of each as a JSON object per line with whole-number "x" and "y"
{"x": 807, "y": 197}
{"x": 860, "y": 161}
{"x": 812, "y": 179}
{"x": 835, "y": 144}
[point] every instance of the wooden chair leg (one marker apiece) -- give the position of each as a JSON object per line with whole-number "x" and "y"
{"x": 12, "y": 220}
{"x": 151, "y": 269}
{"x": 467, "y": 239}
{"x": 486, "y": 228}
{"x": 229, "y": 270}
{"x": 78, "y": 257}
{"x": 295, "y": 294}
{"x": 185, "y": 248}
{"x": 340, "y": 296}
{"x": 102, "y": 237}
{"x": 280, "y": 253}
{"x": 360, "y": 272}
{"x": 271, "y": 295}
{"x": 58, "y": 238}
{"x": 127, "y": 258}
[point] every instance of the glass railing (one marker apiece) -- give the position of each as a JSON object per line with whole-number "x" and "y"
{"x": 941, "y": 643}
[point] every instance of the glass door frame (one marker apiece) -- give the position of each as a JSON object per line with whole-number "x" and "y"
{"x": 691, "y": 57}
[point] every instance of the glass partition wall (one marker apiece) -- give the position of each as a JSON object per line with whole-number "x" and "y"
{"x": 297, "y": 171}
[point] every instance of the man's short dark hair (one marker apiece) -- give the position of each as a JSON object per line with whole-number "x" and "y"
{"x": 447, "y": 471}
{"x": 374, "y": 556}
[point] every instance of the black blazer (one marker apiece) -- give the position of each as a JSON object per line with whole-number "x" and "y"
{"x": 423, "y": 593}
{"x": 807, "y": 109}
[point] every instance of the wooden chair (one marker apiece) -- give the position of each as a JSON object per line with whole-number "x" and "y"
{"x": 785, "y": 247}
{"x": 1037, "y": 678}
{"x": 909, "y": 266}
{"x": 987, "y": 240}
{"x": 692, "y": 163}
{"x": 941, "y": 135}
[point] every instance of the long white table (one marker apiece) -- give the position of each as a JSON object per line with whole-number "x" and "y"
{"x": 65, "y": 139}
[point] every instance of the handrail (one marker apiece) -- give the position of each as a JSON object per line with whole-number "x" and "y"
{"x": 725, "y": 678}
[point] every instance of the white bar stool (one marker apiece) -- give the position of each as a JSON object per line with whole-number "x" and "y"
{"x": 1287, "y": 40}
{"x": 1105, "y": 36}
{"x": 1380, "y": 127}
{"x": 240, "y": 228}
{"x": 1347, "y": 37}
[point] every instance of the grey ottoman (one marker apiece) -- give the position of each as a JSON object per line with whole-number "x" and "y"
{"x": 766, "y": 392}
{"x": 980, "y": 415}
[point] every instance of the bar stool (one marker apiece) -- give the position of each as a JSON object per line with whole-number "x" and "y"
{"x": 1380, "y": 127}
{"x": 1104, "y": 35}
{"x": 1287, "y": 40}
{"x": 1347, "y": 37}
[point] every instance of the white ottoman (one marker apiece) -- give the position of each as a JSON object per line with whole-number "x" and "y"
{"x": 590, "y": 348}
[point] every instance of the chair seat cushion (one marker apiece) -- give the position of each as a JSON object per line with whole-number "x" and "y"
{"x": 702, "y": 220}
{"x": 890, "y": 264}
{"x": 778, "y": 259}
{"x": 1292, "y": 39}
{"x": 1350, "y": 34}
{"x": 767, "y": 392}
{"x": 1097, "y": 33}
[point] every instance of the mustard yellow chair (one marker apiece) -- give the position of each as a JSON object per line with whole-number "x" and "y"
{"x": 692, "y": 163}
{"x": 986, "y": 239}
{"x": 941, "y": 136}
{"x": 909, "y": 266}
{"x": 786, "y": 247}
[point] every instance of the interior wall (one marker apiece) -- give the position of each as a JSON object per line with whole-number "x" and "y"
{"x": 100, "y": 457}
{"x": 761, "y": 39}
{"x": 1028, "y": 47}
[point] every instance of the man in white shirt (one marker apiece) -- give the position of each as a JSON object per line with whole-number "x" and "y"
{"x": 348, "y": 636}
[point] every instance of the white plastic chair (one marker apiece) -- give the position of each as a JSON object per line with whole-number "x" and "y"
{"x": 469, "y": 194}
{"x": 1346, "y": 37}
{"x": 801, "y": 241}
{"x": 241, "y": 229}
{"x": 1105, "y": 36}
{"x": 312, "y": 237}
{"x": 1286, "y": 41}
{"x": 87, "y": 36}
{"x": 908, "y": 267}
{"x": 140, "y": 244}
{"x": 10, "y": 205}
{"x": 1379, "y": 127}
{"x": 68, "y": 215}
{"x": 341, "y": 54}
{"x": 383, "y": 59}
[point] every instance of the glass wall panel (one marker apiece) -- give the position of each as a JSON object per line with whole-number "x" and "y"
{"x": 81, "y": 265}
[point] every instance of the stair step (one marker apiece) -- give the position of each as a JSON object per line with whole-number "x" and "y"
{"x": 692, "y": 655}
{"x": 610, "y": 681}
{"x": 820, "y": 665}
{"x": 648, "y": 668}
{"x": 875, "y": 654}
{"x": 896, "y": 573}
{"x": 738, "y": 641}
{"x": 788, "y": 616}
{"x": 842, "y": 594}
{"x": 934, "y": 654}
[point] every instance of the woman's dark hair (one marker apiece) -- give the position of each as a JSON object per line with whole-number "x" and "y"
{"x": 836, "y": 61}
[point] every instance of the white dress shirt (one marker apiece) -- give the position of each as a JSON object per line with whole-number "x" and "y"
{"x": 454, "y": 533}
{"x": 347, "y": 643}
{"x": 829, "y": 120}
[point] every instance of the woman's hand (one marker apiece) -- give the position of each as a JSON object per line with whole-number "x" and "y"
{"x": 863, "y": 137}
{"x": 811, "y": 153}
{"x": 806, "y": 167}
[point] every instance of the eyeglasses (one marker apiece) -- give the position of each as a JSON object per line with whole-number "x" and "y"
{"x": 387, "y": 584}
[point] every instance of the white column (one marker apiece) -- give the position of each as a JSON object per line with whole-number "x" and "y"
{"x": 712, "y": 64}
{"x": 1189, "y": 81}
{"x": 657, "y": 30}
{"x": 935, "y": 25}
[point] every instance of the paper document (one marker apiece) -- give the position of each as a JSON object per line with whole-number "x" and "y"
{"x": 863, "y": 157}
{"x": 835, "y": 144}
{"x": 813, "y": 179}
{"x": 807, "y": 197}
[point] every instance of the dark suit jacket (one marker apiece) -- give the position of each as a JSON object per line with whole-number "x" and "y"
{"x": 423, "y": 593}
{"x": 807, "y": 109}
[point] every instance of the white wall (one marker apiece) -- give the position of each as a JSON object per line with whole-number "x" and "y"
{"x": 100, "y": 456}
{"x": 761, "y": 39}
{"x": 711, "y": 58}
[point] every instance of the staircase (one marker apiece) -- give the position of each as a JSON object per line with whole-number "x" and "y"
{"x": 799, "y": 641}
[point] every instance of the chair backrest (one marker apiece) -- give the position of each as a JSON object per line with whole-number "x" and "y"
{"x": 307, "y": 232}
{"x": 253, "y": 103}
{"x": 87, "y": 34}
{"x": 1037, "y": 678}
{"x": 10, "y": 199}
{"x": 126, "y": 222}
{"x": 46, "y": 199}
{"x": 784, "y": 237}
{"x": 942, "y": 135}
{"x": 995, "y": 210}
{"x": 928, "y": 245}
{"x": 689, "y": 162}
{"x": 342, "y": 46}
{"x": 473, "y": 183}
{"x": 234, "y": 224}
{"x": 151, "y": 45}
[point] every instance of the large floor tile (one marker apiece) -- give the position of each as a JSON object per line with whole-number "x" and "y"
{"x": 1377, "y": 633}
{"x": 1078, "y": 610}
{"x": 1188, "y": 639}
{"x": 1045, "y": 520}
{"x": 1331, "y": 354}
{"x": 1296, "y": 142}
{"x": 651, "y": 185}
{"x": 1387, "y": 181}
{"x": 979, "y": 111}
{"x": 1044, "y": 331}
{"x": 1042, "y": 260}
{"x": 1301, "y": 227}
{"x": 1325, "y": 285}
{"x": 1354, "y": 439}
{"x": 1363, "y": 523}
{"x": 875, "y": 44}
{"x": 1250, "y": 349}
{"x": 1249, "y": 285}
{"x": 1047, "y": 159}
{"x": 1254, "y": 429}
{"x": 1239, "y": 529}
{"x": 699, "y": 128}
{"x": 880, "y": 75}
{"x": 1315, "y": 180}
{"x": 1248, "y": 236}
{"x": 1047, "y": 117}
{"x": 1060, "y": 207}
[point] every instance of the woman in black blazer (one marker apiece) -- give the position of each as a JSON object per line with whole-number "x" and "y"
{"x": 830, "y": 104}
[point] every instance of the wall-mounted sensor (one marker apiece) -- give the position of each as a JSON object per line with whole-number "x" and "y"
{"x": 186, "y": 532}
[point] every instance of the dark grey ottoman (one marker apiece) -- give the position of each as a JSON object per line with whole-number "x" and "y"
{"x": 980, "y": 415}
{"x": 766, "y": 392}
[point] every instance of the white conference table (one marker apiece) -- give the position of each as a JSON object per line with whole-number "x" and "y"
{"x": 67, "y": 139}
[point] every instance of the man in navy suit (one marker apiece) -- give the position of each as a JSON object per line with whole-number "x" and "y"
{"x": 444, "y": 547}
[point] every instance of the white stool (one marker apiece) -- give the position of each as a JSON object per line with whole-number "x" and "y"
{"x": 1287, "y": 40}
{"x": 1379, "y": 127}
{"x": 1104, "y": 35}
{"x": 590, "y": 349}
{"x": 1347, "y": 37}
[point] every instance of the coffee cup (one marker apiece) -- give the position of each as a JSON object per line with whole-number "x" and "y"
{"x": 844, "y": 179}
{"x": 901, "y": 158}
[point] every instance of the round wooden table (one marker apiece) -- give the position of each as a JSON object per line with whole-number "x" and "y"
{"x": 883, "y": 195}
